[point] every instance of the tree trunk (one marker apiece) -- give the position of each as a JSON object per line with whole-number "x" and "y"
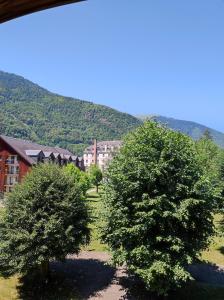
{"x": 45, "y": 271}
{"x": 97, "y": 189}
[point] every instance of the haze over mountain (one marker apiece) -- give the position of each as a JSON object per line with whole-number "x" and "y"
{"x": 30, "y": 112}
{"x": 193, "y": 129}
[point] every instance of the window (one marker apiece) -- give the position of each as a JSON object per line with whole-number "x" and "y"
{"x": 12, "y": 159}
{"x": 13, "y": 170}
{"x": 11, "y": 180}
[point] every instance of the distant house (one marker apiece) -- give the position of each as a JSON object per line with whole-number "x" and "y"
{"x": 18, "y": 156}
{"x": 101, "y": 153}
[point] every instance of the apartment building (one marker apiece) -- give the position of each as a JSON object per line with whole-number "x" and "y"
{"x": 18, "y": 156}
{"x": 101, "y": 153}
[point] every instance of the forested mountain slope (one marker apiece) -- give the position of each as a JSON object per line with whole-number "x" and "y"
{"x": 30, "y": 112}
{"x": 195, "y": 130}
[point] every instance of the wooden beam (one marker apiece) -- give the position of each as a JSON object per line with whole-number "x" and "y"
{"x": 11, "y": 9}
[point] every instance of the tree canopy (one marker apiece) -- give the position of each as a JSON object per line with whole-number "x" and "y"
{"x": 95, "y": 175}
{"x": 80, "y": 177}
{"x": 157, "y": 206}
{"x": 45, "y": 219}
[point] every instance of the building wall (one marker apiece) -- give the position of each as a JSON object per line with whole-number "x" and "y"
{"x": 23, "y": 166}
{"x": 104, "y": 155}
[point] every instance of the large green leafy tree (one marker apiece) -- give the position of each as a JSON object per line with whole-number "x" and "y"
{"x": 45, "y": 219}
{"x": 157, "y": 215}
{"x": 80, "y": 177}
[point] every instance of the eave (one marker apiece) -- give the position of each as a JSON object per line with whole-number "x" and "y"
{"x": 11, "y": 9}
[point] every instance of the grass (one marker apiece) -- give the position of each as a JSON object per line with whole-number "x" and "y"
{"x": 8, "y": 289}
{"x": 215, "y": 253}
{"x": 94, "y": 201}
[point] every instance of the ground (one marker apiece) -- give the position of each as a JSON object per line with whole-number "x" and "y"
{"x": 89, "y": 276}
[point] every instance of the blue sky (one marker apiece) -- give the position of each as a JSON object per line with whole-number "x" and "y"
{"x": 138, "y": 56}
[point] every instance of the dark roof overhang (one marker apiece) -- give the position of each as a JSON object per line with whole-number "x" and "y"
{"x": 11, "y": 9}
{"x": 28, "y": 159}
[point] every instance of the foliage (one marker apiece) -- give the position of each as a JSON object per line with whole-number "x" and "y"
{"x": 79, "y": 177}
{"x": 95, "y": 175}
{"x": 45, "y": 219}
{"x": 158, "y": 206}
{"x": 193, "y": 129}
{"x": 212, "y": 161}
{"x": 31, "y": 112}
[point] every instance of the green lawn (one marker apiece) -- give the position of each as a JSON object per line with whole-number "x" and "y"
{"x": 95, "y": 207}
{"x": 215, "y": 253}
{"x": 8, "y": 288}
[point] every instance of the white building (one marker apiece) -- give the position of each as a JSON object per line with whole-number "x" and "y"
{"x": 101, "y": 153}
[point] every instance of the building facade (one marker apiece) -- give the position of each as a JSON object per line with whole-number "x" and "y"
{"x": 101, "y": 153}
{"x": 18, "y": 156}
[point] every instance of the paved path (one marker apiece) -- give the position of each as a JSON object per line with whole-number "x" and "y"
{"x": 94, "y": 279}
{"x": 107, "y": 277}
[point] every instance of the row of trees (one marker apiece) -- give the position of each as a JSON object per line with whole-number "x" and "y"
{"x": 45, "y": 218}
{"x": 159, "y": 195}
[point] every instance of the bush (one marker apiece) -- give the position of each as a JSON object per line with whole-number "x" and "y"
{"x": 45, "y": 219}
{"x": 157, "y": 201}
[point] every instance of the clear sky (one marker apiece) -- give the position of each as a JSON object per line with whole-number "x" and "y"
{"x": 139, "y": 56}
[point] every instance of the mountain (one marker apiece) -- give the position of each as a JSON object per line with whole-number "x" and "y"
{"x": 30, "y": 112}
{"x": 193, "y": 129}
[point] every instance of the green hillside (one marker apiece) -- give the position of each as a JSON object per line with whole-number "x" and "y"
{"x": 31, "y": 112}
{"x": 192, "y": 129}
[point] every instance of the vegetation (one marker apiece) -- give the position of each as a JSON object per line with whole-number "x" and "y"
{"x": 212, "y": 162}
{"x": 79, "y": 177}
{"x": 95, "y": 205}
{"x": 31, "y": 112}
{"x": 192, "y": 291}
{"x": 95, "y": 175}
{"x": 158, "y": 206}
{"x": 193, "y": 129}
{"x": 215, "y": 252}
{"x": 45, "y": 219}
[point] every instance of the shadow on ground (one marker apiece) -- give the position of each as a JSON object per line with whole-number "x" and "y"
{"x": 83, "y": 278}
{"x": 74, "y": 279}
{"x": 207, "y": 273}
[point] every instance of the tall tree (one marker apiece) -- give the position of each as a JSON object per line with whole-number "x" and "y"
{"x": 207, "y": 135}
{"x": 45, "y": 219}
{"x": 96, "y": 176}
{"x": 80, "y": 177}
{"x": 157, "y": 200}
